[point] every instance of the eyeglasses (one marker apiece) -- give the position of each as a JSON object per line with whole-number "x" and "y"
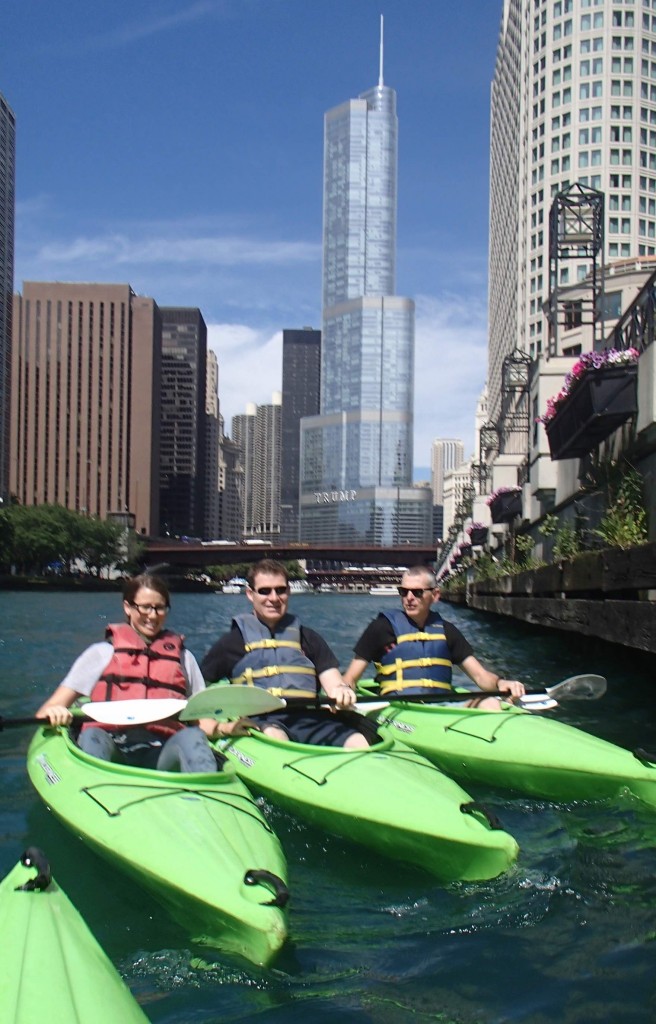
{"x": 415, "y": 591}
{"x": 145, "y": 609}
{"x": 265, "y": 591}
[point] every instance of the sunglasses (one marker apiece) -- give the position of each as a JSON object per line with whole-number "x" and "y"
{"x": 265, "y": 591}
{"x": 415, "y": 591}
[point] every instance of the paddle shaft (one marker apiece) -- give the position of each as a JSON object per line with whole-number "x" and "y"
{"x": 6, "y": 723}
{"x": 416, "y": 698}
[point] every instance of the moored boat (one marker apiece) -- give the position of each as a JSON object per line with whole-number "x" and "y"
{"x": 386, "y": 797}
{"x": 515, "y": 749}
{"x": 52, "y": 967}
{"x": 197, "y": 841}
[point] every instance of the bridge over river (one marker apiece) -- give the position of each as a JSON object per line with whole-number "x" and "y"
{"x": 185, "y": 555}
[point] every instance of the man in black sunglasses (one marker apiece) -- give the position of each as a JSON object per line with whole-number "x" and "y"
{"x": 414, "y": 650}
{"x": 270, "y": 648}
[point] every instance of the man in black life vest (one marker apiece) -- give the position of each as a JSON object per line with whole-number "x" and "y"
{"x": 414, "y": 650}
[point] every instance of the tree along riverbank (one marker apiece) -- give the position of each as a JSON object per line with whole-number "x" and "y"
{"x": 610, "y": 594}
{"x": 177, "y": 584}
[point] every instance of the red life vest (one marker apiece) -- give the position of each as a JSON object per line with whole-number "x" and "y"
{"x": 138, "y": 670}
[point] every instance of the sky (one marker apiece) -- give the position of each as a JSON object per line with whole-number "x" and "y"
{"x": 177, "y": 145}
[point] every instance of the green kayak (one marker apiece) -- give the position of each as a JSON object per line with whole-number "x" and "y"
{"x": 51, "y": 967}
{"x": 386, "y": 797}
{"x": 518, "y": 750}
{"x": 198, "y": 841}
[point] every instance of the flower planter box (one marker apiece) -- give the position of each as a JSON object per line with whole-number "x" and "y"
{"x": 602, "y": 401}
{"x": 506, "y": 506}
{"x": 478, "y": 536}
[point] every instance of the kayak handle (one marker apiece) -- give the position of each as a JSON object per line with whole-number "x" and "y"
{"x": 35, "y": 858}
{"x": 256, "y": 875}
{"x": 644, "y": 755}
{"x": 473, "y": 805}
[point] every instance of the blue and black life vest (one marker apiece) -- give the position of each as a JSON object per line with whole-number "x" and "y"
{"x": 419, "y": 662}
{"x": 274, "y": 659}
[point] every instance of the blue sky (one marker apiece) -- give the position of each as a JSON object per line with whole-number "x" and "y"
{"x": 177, "y": 145}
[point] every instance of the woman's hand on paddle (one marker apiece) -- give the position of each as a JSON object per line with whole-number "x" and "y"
{"x": 56, "y": 714}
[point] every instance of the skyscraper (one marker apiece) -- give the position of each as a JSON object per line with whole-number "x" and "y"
{"x": 257, "y": 433}
{"x": 356, "y": 456}
{"x": 243, "y": 436}
{"x": 7, "y": 203}
{"x": 447, "y": 453}
{"x": 301, "y": 376}
{"x": 212, "y": 449}
{"x": 182, "y": 434}
{"x": 85, "y": 400}
{"x": 573, "y": 100}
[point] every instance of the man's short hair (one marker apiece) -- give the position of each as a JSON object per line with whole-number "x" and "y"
{"x": 423, "y": 570}
{"x": 269, "y": 567}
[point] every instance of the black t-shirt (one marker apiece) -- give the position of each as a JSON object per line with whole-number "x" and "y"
{"x": 222, "y": 657}
{"x": 379, "y": 636}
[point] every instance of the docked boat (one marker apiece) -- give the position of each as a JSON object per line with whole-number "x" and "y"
{"x": 517, "y": 750}
{"x": 52, "y": 967}
{"x": 236, "y": 585}
{"x": 384, "y": 590}
{"x": 386, "y": 797}
{"x": 300, "y": 587}
{"x": 197, "y": 841}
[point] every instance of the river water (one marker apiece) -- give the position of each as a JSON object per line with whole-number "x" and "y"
{"x": 569, "y": 935}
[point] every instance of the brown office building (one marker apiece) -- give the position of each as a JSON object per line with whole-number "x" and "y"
{"x": 85, "y": 400}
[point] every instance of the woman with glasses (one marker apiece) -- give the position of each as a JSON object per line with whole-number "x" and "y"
{"x": 414, "y": 650}
{"x": 270, "y": 648}
{"x": 139, "y": 658}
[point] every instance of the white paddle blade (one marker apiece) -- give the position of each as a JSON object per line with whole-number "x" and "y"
{"x": 223, "y": 702}
{"x": 132, "y": 712}
{"x": 536, "y": 702}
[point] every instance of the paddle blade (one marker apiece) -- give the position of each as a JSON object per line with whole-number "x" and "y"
{"x": 131, "y": 712}
{"x": 583, "y": 687}
{"x": 223, "y": 702}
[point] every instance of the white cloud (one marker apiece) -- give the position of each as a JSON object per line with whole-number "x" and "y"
{"x": 450, "y": 369}
{"x": 118, "y": 249}
{"x": 250, "y": 366}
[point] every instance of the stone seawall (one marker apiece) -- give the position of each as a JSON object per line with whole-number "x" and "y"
{"x": 609, "y": 594}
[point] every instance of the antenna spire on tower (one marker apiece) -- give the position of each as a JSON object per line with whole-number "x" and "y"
{"x": 380, "y": 63}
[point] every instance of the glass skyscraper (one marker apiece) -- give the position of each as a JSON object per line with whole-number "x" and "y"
{"x": 356, "y": 455}
{"x": 7, "y": 179}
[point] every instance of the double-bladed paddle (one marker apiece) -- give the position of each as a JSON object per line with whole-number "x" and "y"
{"x": 222, "y": 702}
{"x": 581, "y": 687}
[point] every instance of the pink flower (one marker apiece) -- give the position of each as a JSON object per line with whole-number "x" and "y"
{"x": 501, "y": 490}
{"x": 588, "y": 361}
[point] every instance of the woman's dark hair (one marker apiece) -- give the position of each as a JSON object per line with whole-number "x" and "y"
{"x": 132, "y": 586}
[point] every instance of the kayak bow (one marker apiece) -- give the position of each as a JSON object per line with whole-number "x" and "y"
{"x": 52, "y": 967}
{"x": 515, "y": 749}
{"x": 386, "y": 797}
{"x": 197, "y": 841}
